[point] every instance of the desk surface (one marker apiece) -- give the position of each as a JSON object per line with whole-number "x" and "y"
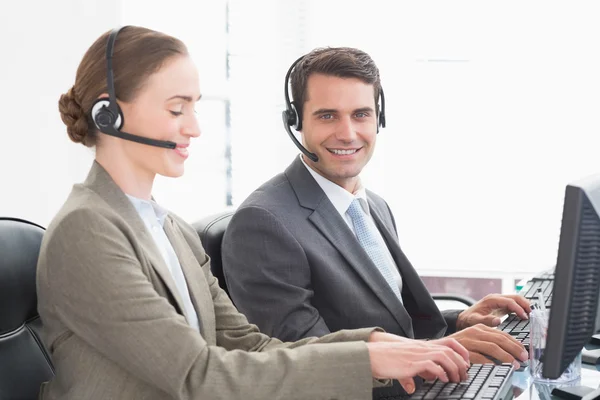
{"x": 525, "y": 389}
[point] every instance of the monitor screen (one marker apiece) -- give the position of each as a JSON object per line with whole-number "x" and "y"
{"x": 575, "y": 315}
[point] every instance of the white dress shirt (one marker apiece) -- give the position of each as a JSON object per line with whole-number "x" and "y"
{"x": 154, "y": 216}
{"x": 341, "y": 200}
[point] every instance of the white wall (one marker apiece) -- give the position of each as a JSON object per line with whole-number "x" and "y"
{"x": 41, "y": 44}
{"x": 201, "y": 25}
{"x": 486, "y": 147}
{"x": 492, "y": 108}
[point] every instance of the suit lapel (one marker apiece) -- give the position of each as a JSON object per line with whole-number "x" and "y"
{"x": 329, "y": 222}
{"x": 418, "y": 303}
{"x": 195, "y": 279}
{"x": 100, "y": 182}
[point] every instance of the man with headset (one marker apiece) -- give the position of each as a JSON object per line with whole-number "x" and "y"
{"x": 312, "y": 251}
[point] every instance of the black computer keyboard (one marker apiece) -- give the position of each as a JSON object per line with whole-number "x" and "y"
{"x": 545, "y": 275}
{"x": 517, "y": 328}
{"x": 531, "y": 290}
{"x": 485, "y": 382}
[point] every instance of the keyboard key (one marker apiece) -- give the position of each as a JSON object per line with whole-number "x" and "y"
{"x": 484, "y": 383}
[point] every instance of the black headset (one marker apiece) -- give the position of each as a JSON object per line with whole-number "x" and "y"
{"x": 292, "y": 115}
{"x": 107, "y": 114}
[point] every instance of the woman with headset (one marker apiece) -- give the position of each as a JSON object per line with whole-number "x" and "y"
{"x": 129, "y": 305}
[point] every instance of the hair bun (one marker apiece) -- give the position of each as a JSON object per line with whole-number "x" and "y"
{"x": 73, "y": 116}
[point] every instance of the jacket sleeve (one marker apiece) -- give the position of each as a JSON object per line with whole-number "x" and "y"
{"x": 101, "y": 294}
{"x": 451, "y": 316}
{"x": 268, "y": 276}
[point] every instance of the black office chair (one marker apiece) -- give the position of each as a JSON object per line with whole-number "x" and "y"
{"x": 24, "y": 362}
{"x": 452, "y": 301}
{"x": 212, "y": 228}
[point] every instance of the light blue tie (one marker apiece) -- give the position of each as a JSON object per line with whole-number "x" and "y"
{"x": 368, "y": 235}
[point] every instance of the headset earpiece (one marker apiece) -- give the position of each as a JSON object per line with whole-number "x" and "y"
{"x": 382, "y": 120}
{"x": 104, "y": 117}
{"x": 381, "y": 116}
{"x": 292, "y": 118}
{"x": 289, "y": 117}
{"x": 295, "y": 119}
{"x": 106, "y": 113}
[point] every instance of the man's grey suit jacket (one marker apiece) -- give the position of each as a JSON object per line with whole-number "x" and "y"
{"x": 295, "y": 269}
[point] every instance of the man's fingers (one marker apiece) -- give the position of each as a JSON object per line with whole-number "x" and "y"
{"x": 483, "y": 359}
{"x": 521, "y": 301}
{"x": 510, "y": 304}
{"x": 477, "y": 358}
{"x": 489, "y": 320}
{"x": 481, "y": 338}
{"x": 508, "y": 343}
{"x": 492, "y": 351}
{"x": 518, "y": 309}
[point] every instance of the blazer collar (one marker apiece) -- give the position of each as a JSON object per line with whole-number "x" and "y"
{"x": 100, "y": 182}
{"x": 195, "y": 279}
{"x": 307, "y": 190}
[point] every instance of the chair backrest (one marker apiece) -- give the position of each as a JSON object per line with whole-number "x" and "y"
{"x": 211, "y": 230}
{"x": 24, "y": 362}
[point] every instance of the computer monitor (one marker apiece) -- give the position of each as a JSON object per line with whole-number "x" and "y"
{"x": 575, "y": 312}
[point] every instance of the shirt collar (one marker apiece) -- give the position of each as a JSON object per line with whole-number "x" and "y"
{"x": 339, "y": 197}
{"x": 144, "y": 206}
